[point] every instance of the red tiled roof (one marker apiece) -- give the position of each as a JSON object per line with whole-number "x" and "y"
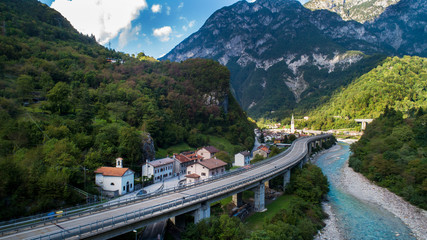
{"x": 264, "y": 148}
{"x": 212, "y": 163}
{"x": 182, "y": 158}
{"x": 112, "y": 171}
{"x": 193, "y": 175}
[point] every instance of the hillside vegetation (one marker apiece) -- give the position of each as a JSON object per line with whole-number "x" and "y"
{"x": 68, "y": 104}
{"x": 398, "y": 82}
{"x": 393, "y": 153}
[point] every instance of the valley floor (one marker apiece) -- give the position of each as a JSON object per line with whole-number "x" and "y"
{"x": 360, "y": 187}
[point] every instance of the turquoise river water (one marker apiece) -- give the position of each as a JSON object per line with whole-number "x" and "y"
{"x": 357, "y": 219}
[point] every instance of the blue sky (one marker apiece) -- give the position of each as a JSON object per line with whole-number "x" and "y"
{"x": 132, "y": 26}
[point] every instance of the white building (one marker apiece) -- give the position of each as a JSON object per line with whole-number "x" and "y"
{"x": 204, "y": 169}
{"x": 242, "y": 159}
{"x": 117, "y": 178}
{"x": 160, "y": 169}
{"x": 207, "y": 152}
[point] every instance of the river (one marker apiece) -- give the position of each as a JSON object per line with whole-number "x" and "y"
{"x": 352, "y": 216}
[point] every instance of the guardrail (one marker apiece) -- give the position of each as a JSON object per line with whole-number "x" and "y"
{"x": 131, "y": 216}
{"x": 100, "y": 207}
{"x": 30, "y": 222}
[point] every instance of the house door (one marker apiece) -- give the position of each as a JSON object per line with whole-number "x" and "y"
{"x": 127, "y": 186}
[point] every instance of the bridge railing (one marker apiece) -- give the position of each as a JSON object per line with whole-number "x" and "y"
{"x": 131, "y": 216}
{"x": 88, "y": 209}
{"x": 77, "y": 212}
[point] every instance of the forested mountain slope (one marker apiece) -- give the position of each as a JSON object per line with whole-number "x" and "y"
{"x": 399, "y": 83}
{"x": 67, "y": 103}
{"x": 393, "y": 153}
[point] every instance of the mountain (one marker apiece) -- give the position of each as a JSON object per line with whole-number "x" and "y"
{"x": 403, "y": 27}
{"x": 68, "y": 104}
{"x": 358, "y": 10}
{"x": 284, "y": 57}
{"x": 398, "y": 83}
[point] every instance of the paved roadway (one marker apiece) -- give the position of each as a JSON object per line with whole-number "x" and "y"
{"x": 292, "y": 158}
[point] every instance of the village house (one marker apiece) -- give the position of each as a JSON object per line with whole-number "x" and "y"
{"x": 263, "y": 151}
{"x": 207, "y": 152}
{"x": 115, "y": 180}
{"x": 160, "y": 169}
{"x": 204, "y": 169}
{"x": 242, "y": 159}
{"x": 183, "y": 160}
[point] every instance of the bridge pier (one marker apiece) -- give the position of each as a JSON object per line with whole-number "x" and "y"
{"x": 301, "y": 163}
{"x": 203, "y": 212}
{"x": 238, "y": 199}
{"x": 286, "y": 179}
{"x": 259, "y": 198}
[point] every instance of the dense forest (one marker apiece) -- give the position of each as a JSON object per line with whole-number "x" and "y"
{"x": 301, "y": 220}
{"x": 69, "y": 105}
{"x": 398, "y": 82}
{"x": 393, "y": 153}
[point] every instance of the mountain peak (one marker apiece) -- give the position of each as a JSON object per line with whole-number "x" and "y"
{"x": 358, "y": 10}
{"x": 282, "y": 55}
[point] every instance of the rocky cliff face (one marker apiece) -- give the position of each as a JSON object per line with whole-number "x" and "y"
{"x": 282, "y": 55}
{"x": 358, "y": 10}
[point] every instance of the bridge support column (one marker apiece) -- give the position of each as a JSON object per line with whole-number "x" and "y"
{"x": 301, "y": 163}
{"x": 286, "y": 179}
{"x": 260, "y": 198}
{"x": 203, "y": 212}
{"x": 238, "y": 199}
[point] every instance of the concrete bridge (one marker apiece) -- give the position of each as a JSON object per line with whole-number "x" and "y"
{"x": 108, "y": 223}
{"x": 364, "y": 122}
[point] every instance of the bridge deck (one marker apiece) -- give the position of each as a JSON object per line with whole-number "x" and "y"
{"x": 154, "y": 207}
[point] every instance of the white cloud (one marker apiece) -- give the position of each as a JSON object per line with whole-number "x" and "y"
{"x": 163, "y": 33}
{"x": 104, "y": 19}
{"x": 128, "y": 34}
{"x": 189, "y": 25}
{"x": 168, "y": 10}
{"x": 251, "y": 1}
{"x": 181, "y": 5}
{"x": 156, "y": 8}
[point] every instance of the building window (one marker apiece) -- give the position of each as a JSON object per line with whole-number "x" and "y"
{"x": 112, "y": 184}
{"x": 131, "y": 185}
{"x": 203, "y": 174}
{"x": 124, "y": 188}
{"x": 189, "y": 172}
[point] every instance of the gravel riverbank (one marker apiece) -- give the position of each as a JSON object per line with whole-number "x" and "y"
{"x": 360, "y": 187}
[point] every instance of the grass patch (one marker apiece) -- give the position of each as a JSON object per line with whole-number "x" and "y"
{"x": 222, "y": 144}
{"x": 182, "y": 147}
{"x": 256, "y": 221}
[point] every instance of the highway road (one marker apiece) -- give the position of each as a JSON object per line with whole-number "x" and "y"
{"x": 166, "y": 203}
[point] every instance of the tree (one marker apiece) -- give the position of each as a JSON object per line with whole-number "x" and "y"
{"x": 25, "y": 86}
{"x": 59, "y": 98}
